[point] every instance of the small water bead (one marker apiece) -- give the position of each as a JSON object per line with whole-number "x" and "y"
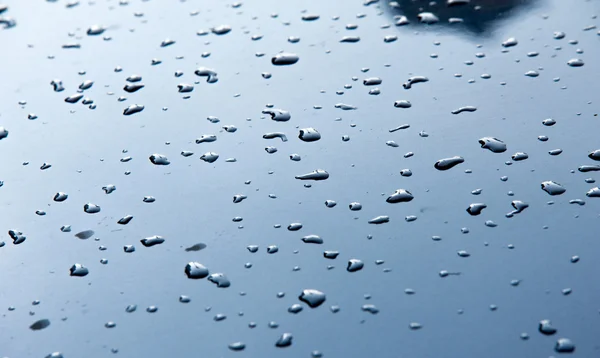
{"x": 330, "y": 203}
{"x": 409, "y": 154}
{"x": 448, "y": 163}
{"x": 133, "y": 109}
{"x": 558, "y": 35}
{"x": 345, "y": 138}
{"x": 413, "y": 80}
{"x": 237, "y": 346}
{"x": 196, "y": 270}
{"x": 575, "y": 62}
{"x": 519, "y": 156}
{"x": 313, "y": 298}
{"x": 493, "y": 144}
{"x": 464, "y": 109}
{"x": 402, "y": 104}
{"x": 415, "y": 326}
{"x": 350, "y": 39}
{"x": 209, "y": 157}
{"x": 284, "y": 59}
{"x": 309, "y": 135}
{"x": 152, "y": 241}
{"x": 427, "y": 18}
{"x": 531, "y": 73}
{"x": 410, "y": 218}
{"x": 60, "y": 197}
{"x": 278, "y": 115}
{"x": 380, "y": 220}
{"x": 372, "y": 81}
{"x": 91, "y": 208}
{"x": 564, "y": 345}
{"x": 318, "y": 174}
{"x": 284, "y": 341}
{"x": 400, "y": 196}
{"x": 593, "y": 193}
{"x": 312, "y": 239}
{"x": 271, "y": 249}
{"x": 151, "y": 309}
{"x": 510, "y": 42}
{"x": 159, "y": 159}
{"x": 545, "y": 327}
{"x": 390, "y": 38}
{"x": 79, "y": 270}
{"x": 345, "y": 107}
{"x": 370, "y": 308}
{"x": 354, "y": 265}
{"x": 355, "y": 206}
{"x": 552, "y": 188}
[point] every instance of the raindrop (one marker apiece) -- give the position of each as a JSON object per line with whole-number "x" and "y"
{"x": 237, "y": 346}
{"x": 493, "y": 144}
{"x": 196, "y": 270}
{"x": 74, "y": 98}
{"x": 60, "y": 196}
{"x": 133, "y": 109}
{"x": 159, "y": 159}
{"x": 152, "y": 240}
{"x": 209, "y": 157}
{"x": 354, "y": 265}
{"x": 476, "y": 208}
{"x": 219, "y": 279}
{"x": 318, "y": 174}
{"x": 427, "y": 18}
{"x": 312, "y": 239}
{"x": 464, "y": 109}
{"x": 279, "y": 135}
{"x": 553, "y": 188}
{"x": 564, "y": 345}
{"x": 575, "y": 62}
{"x": 545, "y": 327}
{"x": 402, "y": 104}
{"x": 370, "y": 308}
{"x": 413, "y": 80}
{"x": 284, "y": 58}
{"x": 379, "y": 220}
{"x": 210, "y": 74}
{"x": 354, "y": 206}
{"x": 91, "y": 208}
{"x": 448, "y": 163}
{"x": 510, "y": 42}
{"x": 313, "y": 298}
{"x": 372, "y": 81}
{"x": 184, "y": 88}
{"x": 519, "y": 156}
{"x": 284, "y": 341}
{"x": 278, "y": 115}
{"x": 309, "y": 135}
{"x": 221, "y": 29}
{"x": 79, "y": 270}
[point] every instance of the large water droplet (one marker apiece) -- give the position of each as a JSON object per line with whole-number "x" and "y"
{"x": 313, "y": 298}
{"x": 448, "y": 163}
{"x": 196, "y": 270}
{"x": 284, "y": 58}
{"x": 553, "y": 188}
{"x": 79, "y": 270}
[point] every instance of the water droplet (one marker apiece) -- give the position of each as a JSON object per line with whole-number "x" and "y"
{"x": 237, "y": 346}
{"x": 493, "y": 144}
{"x": 55, "y": 355}
{"x": 464, "y": 109}
{"x": 277, "y": 114}
{"x": 390, "y": 38}
{"x": 370, "y": 308}
{"x": 196, "y": 270}
{"x": 284, "y": 58}
{"x": 510, "y": 42}
{"x": 413, "y": 80}
{"x": 294, "y": 226}
{"x": 152, "y": 240}
{"x": 476, "y": 208}
{"x": 313, "y": 298}
{"x": 279, "y": 135}
{"x": 60, "y": 196}
{"x": 532, "y": 73}
{"x": 95, "y": 30}
{"x": 133, "y": 109}
{"x": 379, "y": 220}
{"x": 79, "y": 270}
{"x": 284, "y": 341}
{"x": 354, "y": 265}
{"x": 91, "y": 208}
{"x": 593, "y": 193}
{"x": 330, "y": 203}
{"x": 402, "y": 104}
{"x": 310, "y": 17}
{"x": 448, "y": 163}
{"x": 350, "y": 39}
{"x": 309, "y": 135}
{"x": 545, "y": 327}
{"x": 86, "y": 85}
{"x": 219, "y": 279}
{"x": 427, "y": 18}
{"x": 518, "y": 156}
{"x": 400, "y": 196}
{"x": 372, "y": 81}
{"x": 564, "y": 345}
{"x": 575, "y": 62}
{"x": 355, "y": 206}
{"x": 209, "y": 157}
{"x": 159, "y": 159}
{"x": 553, "y": 188}
{"x": 318, "y": 174}
{"x": 271, "y": 249}
{"x": 312, "y": 239}
{"x": 210, "y": 74}
{"x": 558, "y": 35}
{"x": 74, "y": 98}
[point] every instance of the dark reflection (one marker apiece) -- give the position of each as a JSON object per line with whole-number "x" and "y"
{"x": 474, "y": 16}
